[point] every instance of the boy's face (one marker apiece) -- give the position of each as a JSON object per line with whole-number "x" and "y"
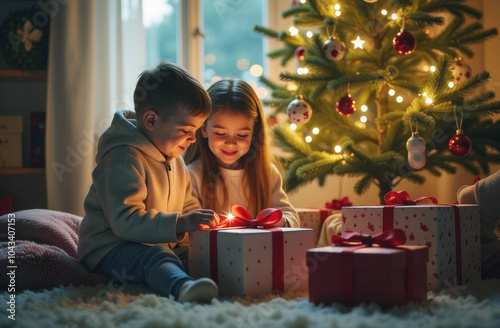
{"x": 229, "y": 137}
{"x": 173, "y": 135}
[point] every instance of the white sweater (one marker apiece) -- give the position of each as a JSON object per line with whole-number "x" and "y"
{"x": 236, "y": 192}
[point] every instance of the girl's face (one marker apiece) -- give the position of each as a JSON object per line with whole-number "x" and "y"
{"x": 229, "y": 137}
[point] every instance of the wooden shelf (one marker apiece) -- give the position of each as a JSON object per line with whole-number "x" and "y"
{"x": 24, "y": 76}
{"x": 22, "y": 170}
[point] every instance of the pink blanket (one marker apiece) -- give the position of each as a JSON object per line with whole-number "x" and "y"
{"x": 44, "y": 252}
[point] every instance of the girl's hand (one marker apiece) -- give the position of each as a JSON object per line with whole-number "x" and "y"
{"x": 196, "y": 220}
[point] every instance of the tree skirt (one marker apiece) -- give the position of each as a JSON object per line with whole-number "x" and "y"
{"x": 476, "y": 305}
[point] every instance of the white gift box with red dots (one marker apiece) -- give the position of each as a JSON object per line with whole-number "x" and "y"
{"x": 452, "y": 234}
{"x": 245, "y": 259}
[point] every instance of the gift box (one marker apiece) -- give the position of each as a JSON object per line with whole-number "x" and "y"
{"x": 11, "y": 129}
{"x": 313, "y": 218}
{"x": 450, "y": 231}
{"x": 251, "y": 262}
{"x": 354, "y": 275}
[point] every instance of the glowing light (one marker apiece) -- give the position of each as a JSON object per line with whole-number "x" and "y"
{"x": 154, "y": 12}
{"x": 309, "y": 139}
{"x": 392, "y": 92}
{"x": 426, "y": 68}
{"x": 261, "y": 92}
{"x": 256, "y": 70}
{"x": 293, "y": 30}
{"x": 338, "y": 149}
{"x": 292, "y": 87}
{"x": 302, "y": 70}
{"x": 358, "y": 43}
{"x": 424, "y": 94}
{"x": 243, "y": 64}
{"x": 394, "y": 16}
{"x": 432, "y": 68}
{"x": 253, "y": 84}
{"x": 428, "y": 100}
{"x": 364, "y": 108}
{"x": 293, "y": 126}
{"x": 315, "y": 130}
{"x": 384, "y": 12}
{"x": 338, "y": 13}
{"x": 303, "y": 1}
{"x": 215, "y": 79}
{"x": 309, "y": 34}
{"x": 336, "y": 7}
{"x": 451, "y": 84}
{"x": 399, "y": 99}
{"x": 363, "y": 119}
{"x": 210, "y": 59}
{"x": 230, "y": 216}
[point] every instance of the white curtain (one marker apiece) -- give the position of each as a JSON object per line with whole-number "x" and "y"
{"x": 97, "y": 51}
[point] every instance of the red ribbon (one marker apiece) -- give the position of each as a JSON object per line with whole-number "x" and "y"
{"x": 337, "y": 204}
{"x": 389, "y": 238}
{"x": 241, "y": 218}
{"x": 403, "y": 198}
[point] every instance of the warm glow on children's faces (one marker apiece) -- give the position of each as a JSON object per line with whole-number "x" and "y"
{"x": 173, "y": 135}
{"x": 229, "y": 137}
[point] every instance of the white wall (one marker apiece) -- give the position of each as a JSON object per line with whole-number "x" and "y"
{"x": 443, "y": 188}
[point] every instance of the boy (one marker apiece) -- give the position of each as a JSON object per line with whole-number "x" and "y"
{"x": 141, "y": 190}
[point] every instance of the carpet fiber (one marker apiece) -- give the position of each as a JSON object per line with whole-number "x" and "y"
{"x": 477, "y": 305}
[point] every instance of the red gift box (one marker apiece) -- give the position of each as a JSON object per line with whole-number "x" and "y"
{"x": 361, "y": 274}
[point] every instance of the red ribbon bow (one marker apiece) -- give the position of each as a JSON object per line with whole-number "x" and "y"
{"x": 337, "y": 204}
{"x": 389, "y": 238}
{"x": 241, "y": 218}
{"x": 403, "y": 198}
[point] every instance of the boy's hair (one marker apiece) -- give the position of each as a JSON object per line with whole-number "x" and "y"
{"x": 235, "y": 96}
{"x": 168, "y": 89}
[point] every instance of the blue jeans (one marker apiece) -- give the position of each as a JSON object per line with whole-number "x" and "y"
{"x": 157, "y": 266}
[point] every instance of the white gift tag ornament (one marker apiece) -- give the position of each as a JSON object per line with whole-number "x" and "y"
{"x": 416, "y": 151}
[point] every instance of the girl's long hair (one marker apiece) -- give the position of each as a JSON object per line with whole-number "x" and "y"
{"x": 235, "y": 96}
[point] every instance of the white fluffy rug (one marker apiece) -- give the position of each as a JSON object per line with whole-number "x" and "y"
{"x": 477, "y": 305}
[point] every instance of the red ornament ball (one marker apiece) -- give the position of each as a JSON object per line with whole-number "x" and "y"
{"x": 299, "y": 52}
{"x": 299, "y": 111}
{"x": 346, "y": 106}
{"x": 460, "y": 145}
{"x": 404, "y": 43}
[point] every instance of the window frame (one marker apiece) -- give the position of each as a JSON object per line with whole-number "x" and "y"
{"x": 190, "y": 51}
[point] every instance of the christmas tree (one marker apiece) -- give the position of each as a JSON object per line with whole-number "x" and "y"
{"x": 421, "y": 107}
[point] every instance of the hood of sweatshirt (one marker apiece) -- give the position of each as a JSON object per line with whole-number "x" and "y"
{"x": 124, "y": 132}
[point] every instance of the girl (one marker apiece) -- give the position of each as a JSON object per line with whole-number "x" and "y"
{"x": 230, "y": 163}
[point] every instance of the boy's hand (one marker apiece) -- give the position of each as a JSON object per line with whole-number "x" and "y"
{"x": 199, "y": 219}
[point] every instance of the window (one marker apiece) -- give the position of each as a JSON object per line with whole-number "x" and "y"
{"x": 225, "y": 43}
